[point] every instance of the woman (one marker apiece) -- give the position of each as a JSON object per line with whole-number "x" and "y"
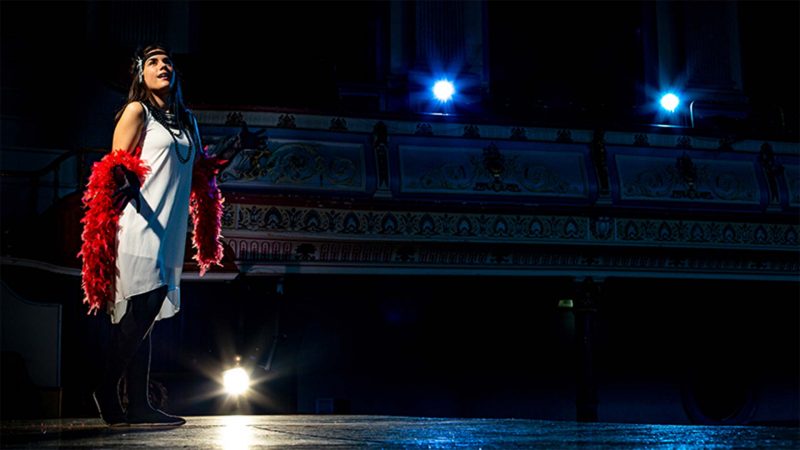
{"x": 138, "y": 202}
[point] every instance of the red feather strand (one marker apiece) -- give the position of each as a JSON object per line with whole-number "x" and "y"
{"x": 100, "y": 228}
{"x": 98, "y": 249}
{"x": 205, "y": 206}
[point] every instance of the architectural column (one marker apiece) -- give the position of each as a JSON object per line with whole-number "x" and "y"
{"x": 699, "y": 55}
{"x": 400, "y": 39}
{"x": 380, "y": 145}
{"x": 585, "y": 309}
{"x": 432, "y": 38}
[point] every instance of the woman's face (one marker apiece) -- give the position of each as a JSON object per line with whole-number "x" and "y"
{"x": 159, "y": 74}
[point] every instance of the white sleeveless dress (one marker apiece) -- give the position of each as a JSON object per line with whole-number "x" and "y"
{"x": 151, "y": 243}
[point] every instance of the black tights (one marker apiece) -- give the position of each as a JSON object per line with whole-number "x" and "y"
{"x": 130, "y": 346}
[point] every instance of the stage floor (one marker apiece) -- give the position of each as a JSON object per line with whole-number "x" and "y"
{"x": 332, "y": 431}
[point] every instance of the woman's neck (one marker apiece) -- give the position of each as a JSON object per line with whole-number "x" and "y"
{"x": 160, "y": 102}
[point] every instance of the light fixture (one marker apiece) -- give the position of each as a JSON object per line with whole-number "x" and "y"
{"x": 236, "y": 381}
{"x": 443, "y": 90}
{"x": 670, "y": 102}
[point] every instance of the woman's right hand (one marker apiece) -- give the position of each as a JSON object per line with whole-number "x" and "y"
{"x": 128, "y": 186}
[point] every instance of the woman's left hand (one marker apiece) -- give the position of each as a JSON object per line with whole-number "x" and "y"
{"x": 128, "y": 186}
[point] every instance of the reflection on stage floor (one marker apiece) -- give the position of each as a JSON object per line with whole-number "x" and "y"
{"x": 346, "y": 431}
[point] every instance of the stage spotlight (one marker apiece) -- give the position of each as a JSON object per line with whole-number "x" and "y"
{"x": 236, "y": 381}
{"x": 670, "y": 102}
{"x": 443, "y": 90}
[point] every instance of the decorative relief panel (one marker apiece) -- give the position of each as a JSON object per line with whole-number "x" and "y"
{"x": 475, "y": 170}
{"x": 468, "y": 169}
{"x": 707, "y": 234}
{"x": 508, "y": 228}
{"x": 681, "y": 178}
{"x": 791, "y": 173}
{"x": 298, "y": 160}
{"x": 300, "y": 165}
{"x": 254, "y": 254}
{"x": 405, "y": 225}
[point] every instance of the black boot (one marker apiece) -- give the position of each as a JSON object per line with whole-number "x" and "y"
{"x": 140, "y": 411}
{"x": 106, "y": 396}
{"x": 126, "y": 338}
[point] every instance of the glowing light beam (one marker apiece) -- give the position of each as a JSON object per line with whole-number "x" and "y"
{"x": 670, "y": 102}
{"x": 443, "y": 90}
{"x": 236, "y": 381}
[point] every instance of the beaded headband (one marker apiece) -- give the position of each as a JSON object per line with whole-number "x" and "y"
{"x": 140, "y": 61}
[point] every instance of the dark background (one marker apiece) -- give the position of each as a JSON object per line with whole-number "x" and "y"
{"x": 467, "y": 346}
{"x": 549, "y": 62}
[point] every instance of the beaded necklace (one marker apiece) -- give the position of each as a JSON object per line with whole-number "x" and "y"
{"x": 170, "y": 121}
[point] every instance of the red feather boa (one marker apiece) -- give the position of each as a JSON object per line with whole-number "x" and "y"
{"x": 98, "y": 249}
{"x": 100, "y": 227}
{"x": 205, "y": 206}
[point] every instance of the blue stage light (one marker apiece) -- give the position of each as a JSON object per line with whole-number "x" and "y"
{"x": 443, "y": 90}
{"x": 670, "y": 102}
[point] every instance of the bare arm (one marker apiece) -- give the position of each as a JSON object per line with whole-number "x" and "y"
{"x": 126, "y": 137}
{"x": 129, "y": 128}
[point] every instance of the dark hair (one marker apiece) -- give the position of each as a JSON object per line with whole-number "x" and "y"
{"x": 138, "y": 91}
